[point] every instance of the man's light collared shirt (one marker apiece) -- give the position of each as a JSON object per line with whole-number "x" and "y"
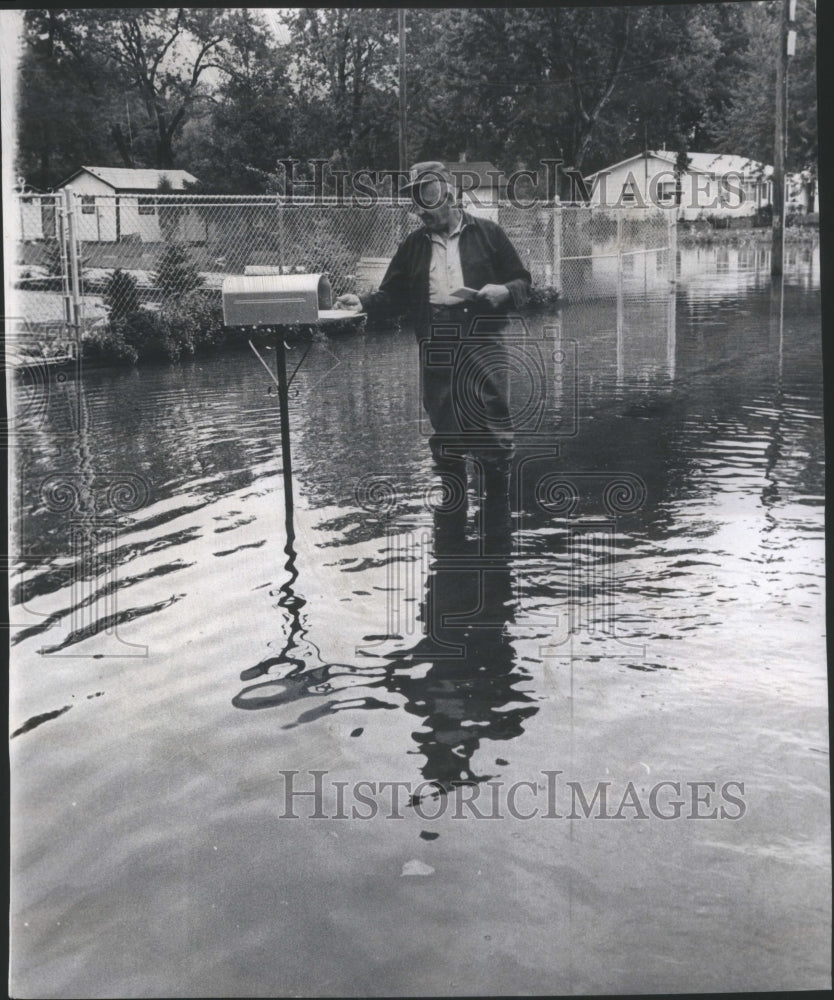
{"x": 445, "y": 272}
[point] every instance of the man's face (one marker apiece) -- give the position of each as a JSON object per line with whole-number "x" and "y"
{"x": 433, "y": 206}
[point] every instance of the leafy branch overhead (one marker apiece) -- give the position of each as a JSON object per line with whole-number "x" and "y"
{"x": 229, "y": 92}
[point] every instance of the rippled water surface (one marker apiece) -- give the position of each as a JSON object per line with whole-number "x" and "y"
{"x": 177, "y": 668}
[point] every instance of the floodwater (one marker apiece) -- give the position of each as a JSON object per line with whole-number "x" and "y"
{"x": 178, "y": 669}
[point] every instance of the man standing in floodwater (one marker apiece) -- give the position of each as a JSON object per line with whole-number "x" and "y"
{"x": 464, "y": 368}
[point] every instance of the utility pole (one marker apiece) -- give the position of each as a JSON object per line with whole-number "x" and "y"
{"x": 402, "y": 90}
{"x": 779, "y": 142}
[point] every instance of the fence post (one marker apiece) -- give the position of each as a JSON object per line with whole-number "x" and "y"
{"x": 556, "y": 246}
{"x": 74, "y": 279}
{"x": 619, "y": 298}
{"x": 64, "y": 236}
{"x": 63, "y": 255}
{"x": 280, "y": 238}
{"x": 396, "y": 225}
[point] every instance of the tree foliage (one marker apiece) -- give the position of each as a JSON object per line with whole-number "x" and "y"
{"x": 121, "y": 295}
{"x": 588, "y": 84}
{"x": 69, "y": 111}
{"x": 175, "y": 272}
{"x": 744, "y": 123}
{"x": 347, "y": 84}
{"x": 235, "y": 140}
{"x": 219, "y": 92}
{"x": 129, "y": 78}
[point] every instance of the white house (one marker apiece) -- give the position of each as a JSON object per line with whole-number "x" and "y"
{"x": 713, "y": 184}
{"x": 803, "y": 193}
{"x": 119, "y": 201}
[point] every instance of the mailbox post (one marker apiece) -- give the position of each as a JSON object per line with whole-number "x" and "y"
{"x": 266, "y": 300}
{"x": 284, "y": 413}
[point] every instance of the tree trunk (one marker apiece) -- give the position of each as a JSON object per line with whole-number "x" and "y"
{"x": 164, "y": 140}
{"x": 122, "y": 144}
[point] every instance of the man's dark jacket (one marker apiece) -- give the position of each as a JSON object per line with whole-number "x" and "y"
{"x": 486, "y": 257}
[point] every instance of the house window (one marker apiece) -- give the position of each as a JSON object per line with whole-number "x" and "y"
{"x": 666, "y": 192}
{"x": 627, "y": 197}
{"x": 750, "y": 192}
{"x": 147, "y": 206}
{"x": 88, "y": 204}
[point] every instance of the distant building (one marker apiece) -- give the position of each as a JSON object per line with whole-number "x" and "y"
{"x": 119, "y": 202}
{"x": 803, "y": 193}
{"x": 713, "y": 184}
{"x": 480, "y": 185}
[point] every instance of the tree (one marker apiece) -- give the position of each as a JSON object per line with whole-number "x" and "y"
{"x": 744, "y": 123}
{"x": 213, "y": 90}
{"x": 346, "y": 99}
{"x": 682, "y": 164}
{"x": 587, "y": 84}
{"x": 175, "y": 273}
{"x": 121, "y": 295}
{"x": 245, "y": 126}
{"x": 68, "y": 112}
{"x": 144, "y": 69}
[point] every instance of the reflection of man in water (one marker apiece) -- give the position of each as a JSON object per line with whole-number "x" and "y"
{"x": 467, "y": 694}
{"x": 464, "y": 368}
{"x": 464, "y": 696}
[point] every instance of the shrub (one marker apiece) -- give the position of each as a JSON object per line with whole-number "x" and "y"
{"x": 175, "y": 273}
{"x": 121, "y": 295}
{"x": 183, "y": 326}
{"x": 147, "y": 332}
{"x": 541, "y": 297}
{"x": 602, "y": 226}
{"x": 803, "y": 220}
{"x": 763, "y": 216}
{"x": 321, "y": 247}
{"x": 194, "y": 320}
{"x": 106, "y": 344}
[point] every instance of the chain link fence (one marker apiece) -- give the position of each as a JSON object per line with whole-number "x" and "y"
{"x": 616, "y": 252}
{"x": 85, "y": 261}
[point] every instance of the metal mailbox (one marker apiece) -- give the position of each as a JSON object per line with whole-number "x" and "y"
{"x": 269, "y": 299}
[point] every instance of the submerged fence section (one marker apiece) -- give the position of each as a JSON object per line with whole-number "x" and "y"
{"x": 616, "y": 253}
{"x": 85, "y": 260}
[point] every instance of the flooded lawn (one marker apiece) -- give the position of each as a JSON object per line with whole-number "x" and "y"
{"x": 655, "y": 636}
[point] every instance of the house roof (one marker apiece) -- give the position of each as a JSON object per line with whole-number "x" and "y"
{"x": 130, "y": 179}
{"x": 699, "y": 163}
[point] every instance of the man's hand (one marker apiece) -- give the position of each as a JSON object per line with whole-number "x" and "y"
{"x": 496, "y": 295}
{"x": 350, "y": 302}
